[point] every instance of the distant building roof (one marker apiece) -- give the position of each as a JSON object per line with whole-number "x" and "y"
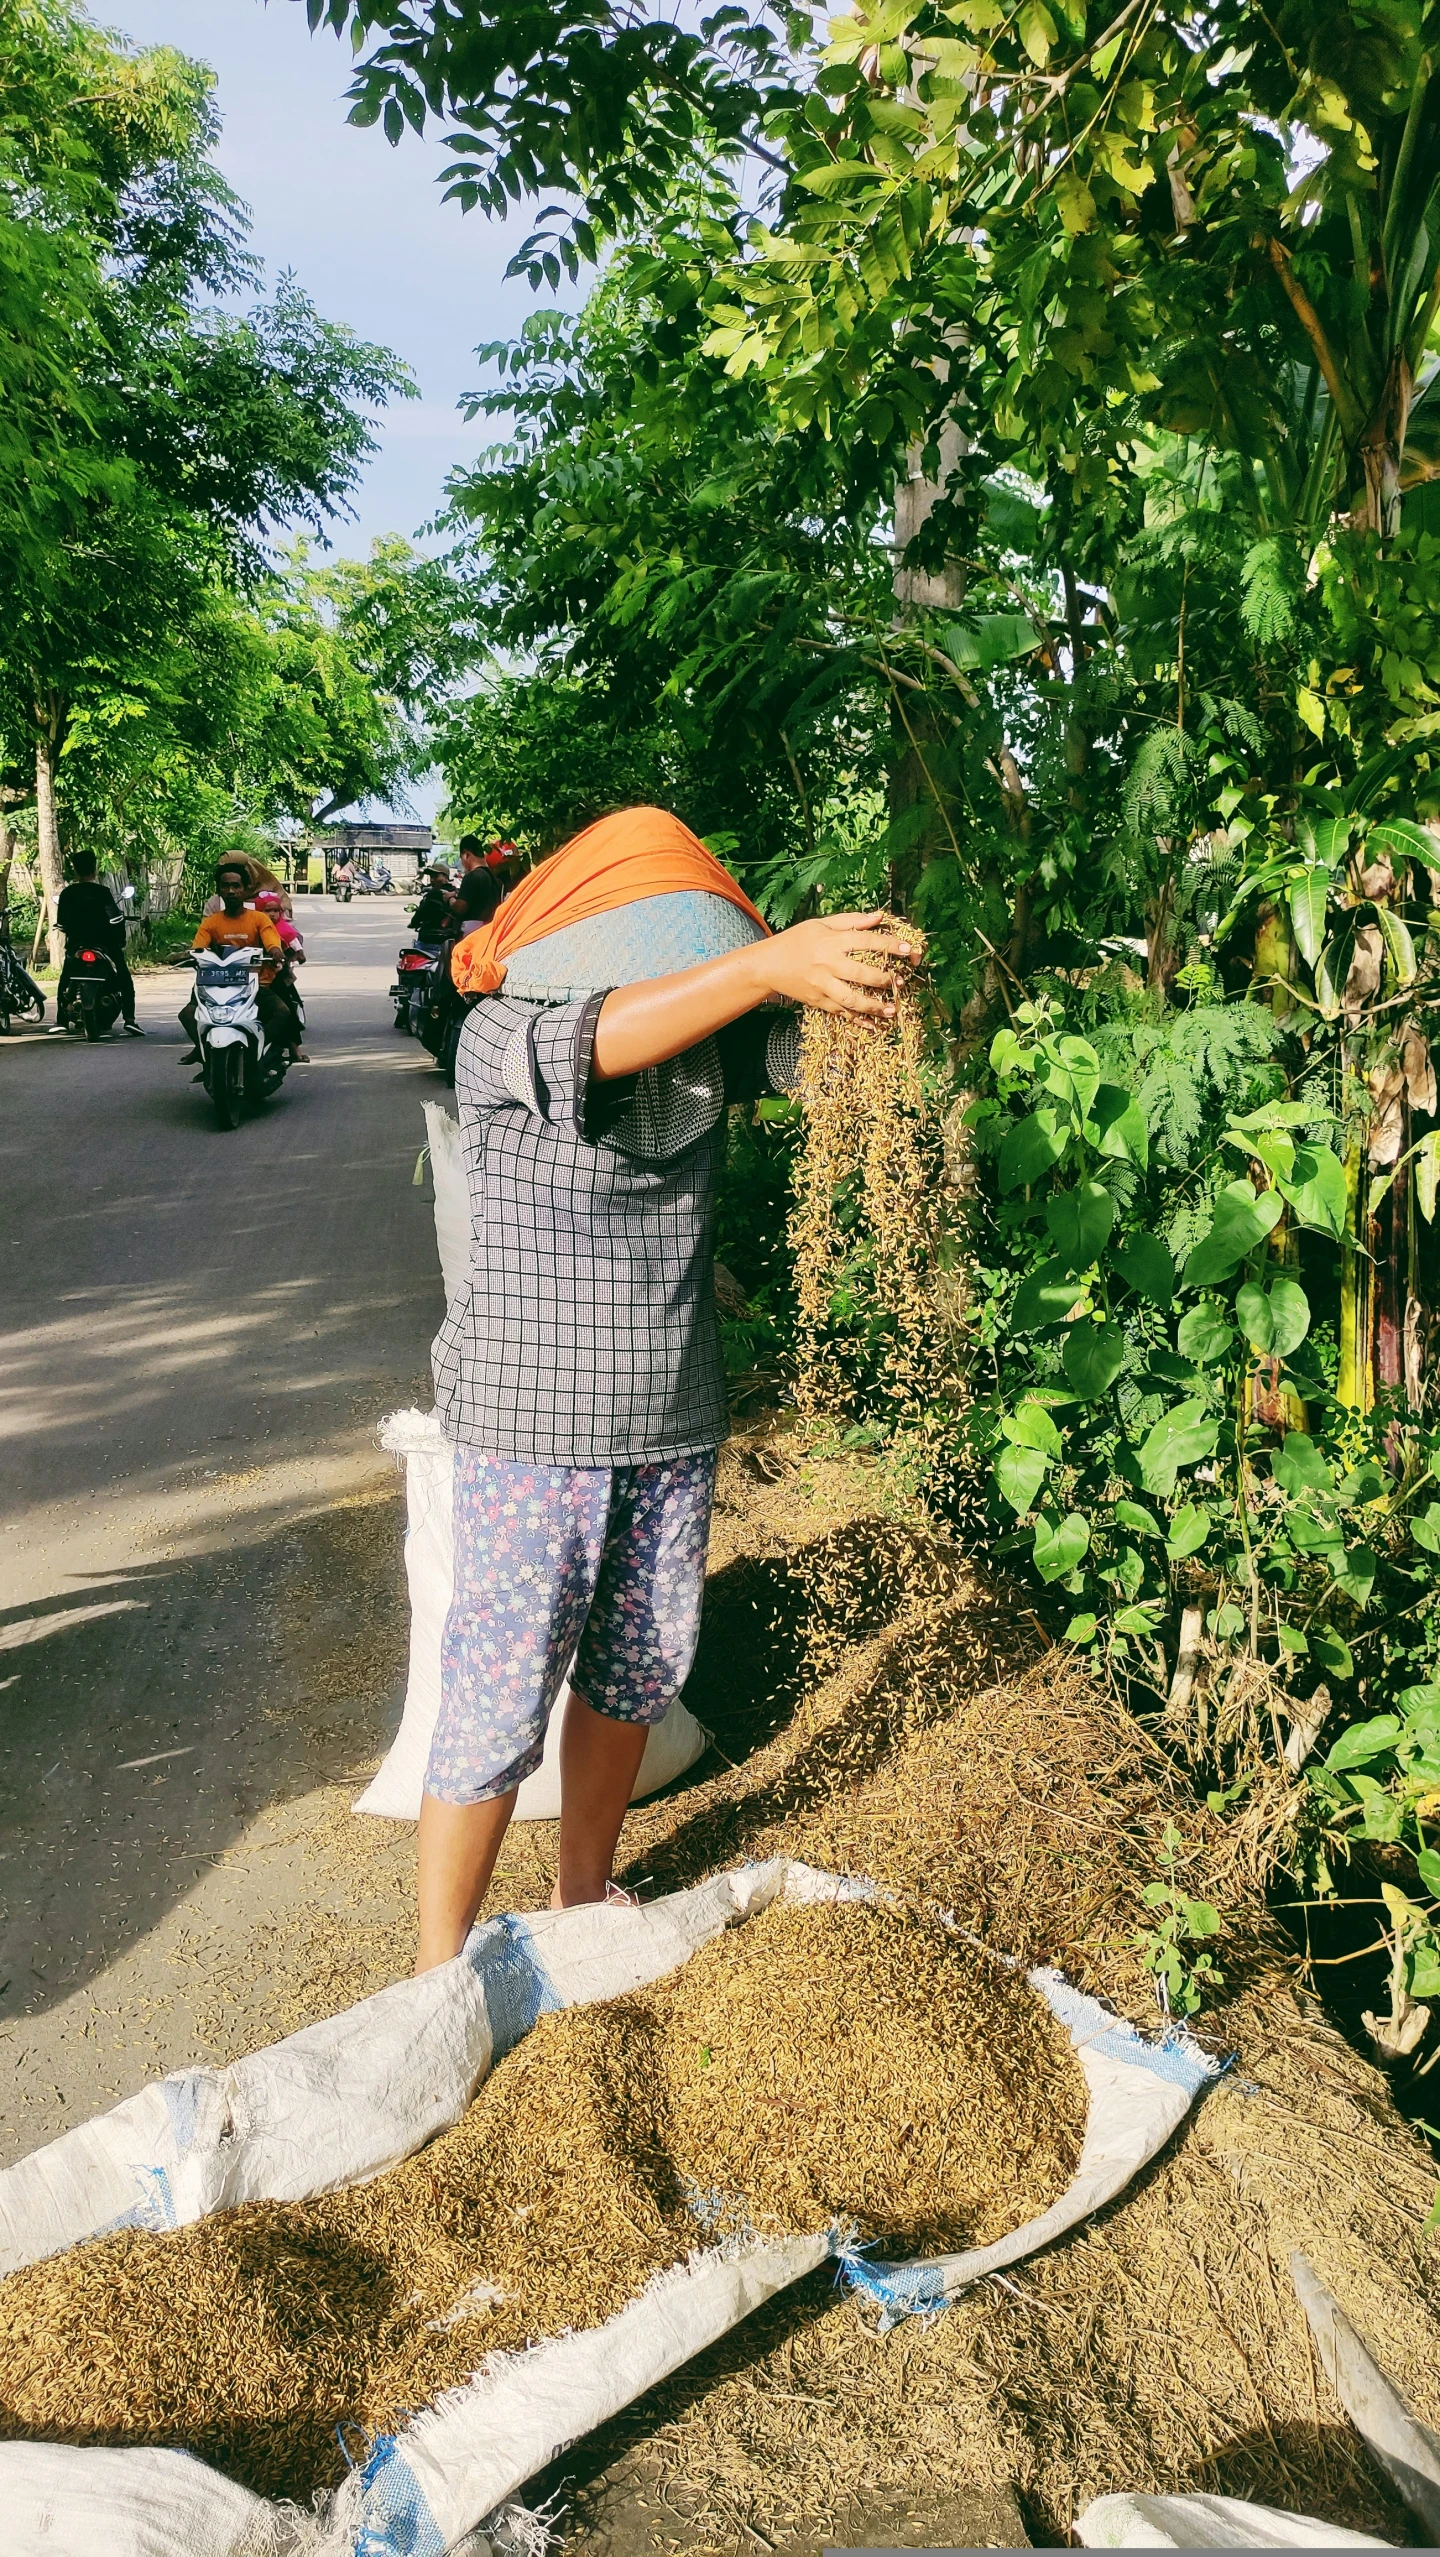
{"x": 381, "y": 838}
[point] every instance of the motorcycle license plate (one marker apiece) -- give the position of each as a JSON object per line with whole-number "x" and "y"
{"x": 224, "y": 976}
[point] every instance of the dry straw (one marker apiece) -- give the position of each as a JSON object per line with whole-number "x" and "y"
{"x": 837, "y": 2063}
{"x": 866, "y": 1226}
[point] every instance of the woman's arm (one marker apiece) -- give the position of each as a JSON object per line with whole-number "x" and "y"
{"x": 839, "y": 963}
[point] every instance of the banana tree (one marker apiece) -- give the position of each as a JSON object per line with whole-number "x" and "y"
{"x": 1344, "y": 938}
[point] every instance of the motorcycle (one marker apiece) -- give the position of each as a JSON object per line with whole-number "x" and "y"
{"x": 92, "y": 991}
{"x": 18, "y": 990}
{"x": 239, "y": 1063}
{"x": 414, "y": 975}
{"x": 342, "y": 890}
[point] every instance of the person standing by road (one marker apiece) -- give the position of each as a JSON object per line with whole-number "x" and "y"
{"x": 579, "y": 1372}
{"x": 86, "y": 912}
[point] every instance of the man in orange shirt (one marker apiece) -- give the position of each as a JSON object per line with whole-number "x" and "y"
{"x": 241, "y": 927}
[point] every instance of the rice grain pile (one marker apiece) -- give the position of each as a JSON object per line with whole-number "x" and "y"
{"x": 841, "y": 2063}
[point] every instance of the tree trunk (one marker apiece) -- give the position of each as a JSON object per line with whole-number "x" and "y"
{"x": 47, "y": 829}
{"x": 7, "y": 861}
{"x": 1381, "y": 448}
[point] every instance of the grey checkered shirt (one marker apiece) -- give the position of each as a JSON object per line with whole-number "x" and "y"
{"x": 586, "y": 1334}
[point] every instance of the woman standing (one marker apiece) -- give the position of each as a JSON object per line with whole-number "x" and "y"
{"x": 579, "y": 1372}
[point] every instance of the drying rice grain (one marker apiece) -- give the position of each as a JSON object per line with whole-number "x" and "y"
{"x": 844, "y": 2062}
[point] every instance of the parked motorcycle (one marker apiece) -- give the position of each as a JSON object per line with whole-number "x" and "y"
{"x": 92, "y": 992}
{"x": 238, "y": 1062}
{"x": 414, "y": 975}
{"x": 18, "y": 991}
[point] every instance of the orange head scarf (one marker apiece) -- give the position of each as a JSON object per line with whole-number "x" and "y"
{"x": 642, "y": 852}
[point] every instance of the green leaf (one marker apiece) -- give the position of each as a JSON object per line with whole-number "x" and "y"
{"x": 1355, "y": 1573}
{"x": 1185, "y": 1435}
{"x": 1363, "y": 1742}
{"x": 1081, "y": 1629}
{"x": 1291, "y": 1639}
{"x": 1311, "y": 709}
{"x": 1396, "y": 938}
{"x": 1276, "y": 1319}
{"x": 1092, "y": 1358}
{"x": 1079, "y": 1221}
{"x": 1038, "y": 31}
{"x": 1308, "y": 900}
{"x": 1060, "y": 1546}
{"x": 987, "y": 640}
{"x": 1120, "y": 1125}
{"x": 1130, "y": 1514}
{"x": 1205, "y": 1334}
{"x": 1046, "y": 1297}
{"x": 1241, "y": 1222}
{"x": 1146, "y": 1266}
{"x": 1019, "y": 1473}
{"x": 1331, "y": 1653}
{"x": 1427, "y": 1865}
{"x": 1298, "y": 1466}
{"x": 1425, "y": 1528}
{"x": 1404, "y": 841}
{"x": 1427, "y": 1173}
{"x": 1137, "y": 1620}
{"x": 1030, "y": 1425}
{"x": 1188, "y": 1530}
{"x": 834, "y": 177}
{"x": 1031, "y": 1148}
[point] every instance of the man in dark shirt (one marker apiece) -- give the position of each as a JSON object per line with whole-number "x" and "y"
{"x": 87, "y": 914}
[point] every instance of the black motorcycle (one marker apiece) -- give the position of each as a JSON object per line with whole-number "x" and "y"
{"x": 93, "y": 996}
{"x": 19, "y": 994}
{"x": 415, "y": 967}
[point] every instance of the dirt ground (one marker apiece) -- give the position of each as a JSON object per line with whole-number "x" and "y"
{"x": 878, "y": 1705}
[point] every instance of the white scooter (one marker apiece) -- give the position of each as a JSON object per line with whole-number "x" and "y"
{"x": 238, "y": 1062}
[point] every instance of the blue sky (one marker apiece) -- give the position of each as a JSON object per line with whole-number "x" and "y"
{"x": 362, "y": 225}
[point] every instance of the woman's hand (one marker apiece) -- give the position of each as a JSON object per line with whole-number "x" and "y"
{"x": 838, "y": 963}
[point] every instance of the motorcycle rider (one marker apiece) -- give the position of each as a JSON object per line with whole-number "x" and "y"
{"x": 276, "y": 904}
{"x": 87, "y": 913}
{"x": 432, "y": 915}
{"x": 241, "y": 927}
{"x": 342, "y": 874}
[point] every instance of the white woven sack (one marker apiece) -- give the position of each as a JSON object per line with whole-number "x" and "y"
{"x": 129, "y": 2503}
{"x": 394, "y": 1792}
{"x": 1206, "y": 2521}
{"x": 342, "y": 2100}
{"x": 452, "y": 1198}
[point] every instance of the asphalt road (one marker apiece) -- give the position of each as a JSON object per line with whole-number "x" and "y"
{"x": 200, "y": 1332}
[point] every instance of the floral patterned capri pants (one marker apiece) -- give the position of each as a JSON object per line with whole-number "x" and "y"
{"x": 604, "y": 1566}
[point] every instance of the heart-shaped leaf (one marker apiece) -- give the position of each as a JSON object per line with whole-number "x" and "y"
{"x": 1241, "y": 1222}
{"x": 1205, "y": 1334}
{"x": 1045, "y": 1297}
{"x": 1275, "y": 1319}
{"x": 1120, "y": 1125}
{"x": 1059, "y": 1545}
{"x": 1332, "y": 1653}
{"x": 1145, "y": 1265}
{"x": 1188, "y": 1530}
{"x": 1298, "y": 1465}
{"x": 1425, "y": 1528}
{"x": 1092, "y": 1358}
{"x": 1183, "y": 1436}
{"x": 1131, "y": 1515}
{"x": 1363, "y": 1742}
{"x": 1031, "y": 1148}
{"x": 1315, "y": 1190}
{"x": 1019, "y": 1473}
{"x": 1079, "y": 1221}
{"x": 1030, "y": 1425}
